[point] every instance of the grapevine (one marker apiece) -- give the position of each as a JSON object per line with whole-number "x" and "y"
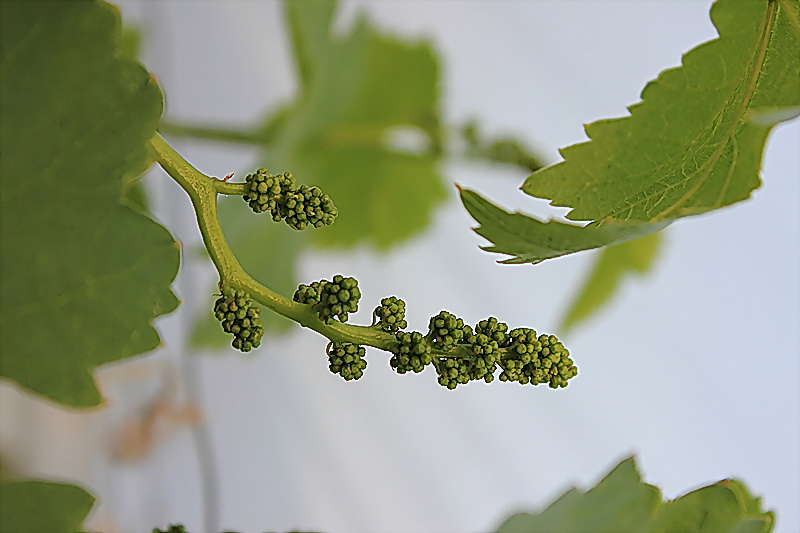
{"x": 458, "y": 353}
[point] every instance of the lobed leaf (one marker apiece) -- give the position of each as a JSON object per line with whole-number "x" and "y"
{"x": 83, "y": 276}
{"x": 695, "y": 141}
{"x": 622, "y": 502}
{"x": 37, "y": 506}
{"x": 356, "y": 90}
{"x": 530, "y": 240}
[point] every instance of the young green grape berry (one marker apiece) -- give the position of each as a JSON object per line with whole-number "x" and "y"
{"x": 391, "y": 314}
{"x": 413, "y": 352}
{"x": 240, "y": 317}
{"x": 330, "y": 299}
{"x": 346, "y": 360}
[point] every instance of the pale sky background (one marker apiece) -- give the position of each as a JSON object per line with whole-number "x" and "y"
{"x": 693, "y": 368}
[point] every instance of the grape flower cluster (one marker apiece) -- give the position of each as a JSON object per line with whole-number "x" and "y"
{"x": 391, "y": 314}
{"x": 461, "y": 354}
{"x": 240, "y": 317}
{"x": 300, "y": 206}
{"x": 330, "y": 299}
{"x": 346, "y": 360}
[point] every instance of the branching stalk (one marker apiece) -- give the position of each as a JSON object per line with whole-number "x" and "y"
{"x": 203, "y": 191}
{"x": 459, "y": 353}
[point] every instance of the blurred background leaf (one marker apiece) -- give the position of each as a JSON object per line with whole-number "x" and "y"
{"x": 88, "y": 275}
{"x": 38, "y": 506}
{"x": 611, "y": 266}
{"x": 622, "y": 502}
{"x": 365, "y": 128}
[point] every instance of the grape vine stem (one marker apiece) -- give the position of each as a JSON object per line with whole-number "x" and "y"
{"x": 203, "y": 191}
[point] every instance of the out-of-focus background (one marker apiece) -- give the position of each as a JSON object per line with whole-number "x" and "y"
{"x": 694, "y": 367}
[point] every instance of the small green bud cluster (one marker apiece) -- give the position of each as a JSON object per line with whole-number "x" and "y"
{"x": 299, "y": 205}
{"x": 330, "y": 299}
{"x": 460, "y": 354}
{"x": 413, "y": 352}
{"x": 391, "y": 314}
{"x": 453, "y": 371}
{"x": 536, "y": 360}
{"x": 346, "y": 360}
{"x": 240, "y": 317}
{"x": 446, "y": 330}
{"x": 173, "y": 528}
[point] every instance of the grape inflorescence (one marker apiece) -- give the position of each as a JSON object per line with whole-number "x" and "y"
{"x": 458, "y": 352}
{"x": 240, "y": 317}
{"x": 330, "y": 299}
{"x": 300, "y": 206}
{"x": 346, "y": 360}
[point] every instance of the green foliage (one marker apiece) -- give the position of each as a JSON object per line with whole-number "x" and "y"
{"x": 530, "y": 240}
{"x": 499, "y": 150}
{"x": 356, "y": 89}
{"x": 610, "y": 267}
{"x": 692, "y": 145}
{"x": 240, "y": 317}
{"x": 98, "y": 281}
{"x": 621, "y": 502}
{"x": 82, "y": 280}
{"x": 38, "y": 506}
{"x": 299, "y": 205}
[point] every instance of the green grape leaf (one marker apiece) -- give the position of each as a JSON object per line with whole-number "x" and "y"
{"x": 690, "y": 145}
{"x": 308, "y": 24}
{"x": 358, "y": 89}
{"x": 83, "y": 276}
{"x": 37, "y": 506}
{"x": 717, "y": 508}
{"x": 611, "y": 266}
{"x": 622, "y": 502}
{"x": 530, "y": 240}
{"x": 695, "y": 141}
